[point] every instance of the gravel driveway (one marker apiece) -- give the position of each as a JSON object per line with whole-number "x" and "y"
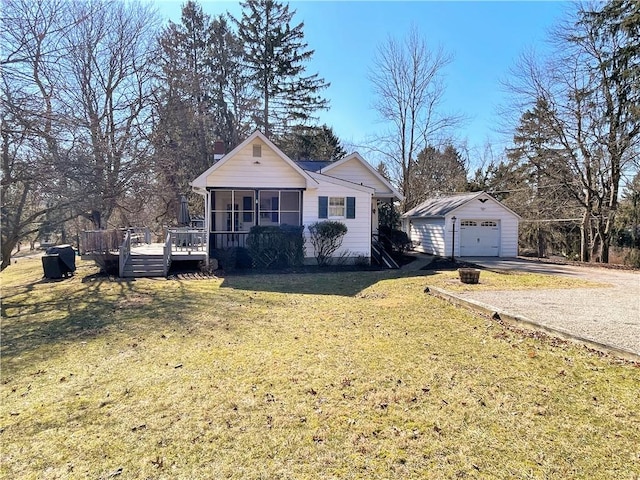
{"x": 608, "y": 315}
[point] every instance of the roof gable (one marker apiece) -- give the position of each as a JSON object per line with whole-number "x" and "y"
{"x": 202, "y": 180}
{"x": 366, "y": 175}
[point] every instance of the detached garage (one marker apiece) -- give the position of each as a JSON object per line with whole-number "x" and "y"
{"x": 475, "y": 224}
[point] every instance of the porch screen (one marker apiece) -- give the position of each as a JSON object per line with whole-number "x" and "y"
{"x": 232, "y": 210}
{"x": 279, "y": 207}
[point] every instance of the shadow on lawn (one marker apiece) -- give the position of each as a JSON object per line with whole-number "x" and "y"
{"x": 82, "y": 308}
{"x": 346, "y": 283}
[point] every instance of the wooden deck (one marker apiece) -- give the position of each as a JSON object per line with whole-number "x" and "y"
{"x": 177, "y": 253}
{"x": 154, "y": 249}
{"x": 136, "y": 256}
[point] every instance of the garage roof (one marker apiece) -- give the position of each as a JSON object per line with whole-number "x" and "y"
{"x": 439, "y": 207}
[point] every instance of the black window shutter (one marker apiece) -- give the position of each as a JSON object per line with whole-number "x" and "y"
{"x": 323, "y": 207}
{"x": 351, "y": 207}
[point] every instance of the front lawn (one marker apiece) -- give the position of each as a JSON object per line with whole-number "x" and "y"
{"x": 330, "y": 375}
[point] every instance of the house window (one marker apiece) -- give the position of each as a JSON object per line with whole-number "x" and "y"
{"x": 257, "y": 150}
{"x": 336, "y": 207}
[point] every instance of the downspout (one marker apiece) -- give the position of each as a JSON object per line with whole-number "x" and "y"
{"x": 207, "y": 227}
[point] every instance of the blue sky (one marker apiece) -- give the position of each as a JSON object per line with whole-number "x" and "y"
{"x": 485, "y": 39}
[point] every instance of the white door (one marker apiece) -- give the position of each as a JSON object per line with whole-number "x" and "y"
{"x": 479, "y": 238}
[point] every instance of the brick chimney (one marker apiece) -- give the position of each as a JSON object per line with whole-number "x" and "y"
{"x": 218, "y": 150}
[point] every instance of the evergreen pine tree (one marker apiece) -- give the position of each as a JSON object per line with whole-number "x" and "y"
{"x": 312, "y": 143}
{"x": 275, "y": 54}
{"x": 184, "y": 133}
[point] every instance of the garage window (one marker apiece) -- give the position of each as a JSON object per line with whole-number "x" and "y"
{"x": 468, "y": 223}
{"x": 489, "y": 224}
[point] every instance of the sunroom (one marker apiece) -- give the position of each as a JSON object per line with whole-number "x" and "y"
{"x": 232, "y": 213}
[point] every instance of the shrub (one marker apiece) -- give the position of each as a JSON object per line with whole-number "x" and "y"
{"x": 388, "y": 215}
{"x": 326, "y": 238}
{"x": 233, "y": 258}
{"x": 276, "y": 247}
{"x": 362, "y": 261}
{"x": 394, "y": 240}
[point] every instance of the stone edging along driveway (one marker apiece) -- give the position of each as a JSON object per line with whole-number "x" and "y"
{"x": 603, "y": 318}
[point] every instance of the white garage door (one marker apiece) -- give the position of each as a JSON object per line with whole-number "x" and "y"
{"x": 479, "y": 238}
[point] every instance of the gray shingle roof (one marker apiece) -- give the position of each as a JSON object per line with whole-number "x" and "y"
{"x": 312, "y": 165}
{"x": 440, "y": 206}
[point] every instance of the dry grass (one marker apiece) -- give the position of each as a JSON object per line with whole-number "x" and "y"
{"x": 508, "y": 281}
{"x": 352, "y": 375}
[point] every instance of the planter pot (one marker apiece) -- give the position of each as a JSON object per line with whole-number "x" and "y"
{"x": 469, "y": 275}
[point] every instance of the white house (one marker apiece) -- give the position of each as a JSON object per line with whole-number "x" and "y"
{"x": 257, "y": 184}
{"x": 472, "y": 224}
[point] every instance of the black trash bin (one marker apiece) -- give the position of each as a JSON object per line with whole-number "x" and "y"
{"x": 51, "y": 266}
{"x": 59, "y": 261}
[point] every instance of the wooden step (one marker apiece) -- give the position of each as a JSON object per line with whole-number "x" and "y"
{"x": 144, "y": 266}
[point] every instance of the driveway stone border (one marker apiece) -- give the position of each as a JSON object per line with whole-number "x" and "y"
{"x": 520, "y": 321}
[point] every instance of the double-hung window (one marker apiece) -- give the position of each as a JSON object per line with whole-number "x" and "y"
{"x": 336, "y": 207}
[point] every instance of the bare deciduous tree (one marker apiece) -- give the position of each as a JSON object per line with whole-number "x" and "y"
{"x": 407, "y": 79}
{"x": 75, "y": 86}
{"x": 109, "y": 73}
{"x": 585, "y": 99}
{"x": 33, "y": 138}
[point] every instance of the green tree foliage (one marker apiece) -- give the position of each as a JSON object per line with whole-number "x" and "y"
{"x": 275, "y": 54}
{"x": 326, "y": 237}
{"x": 438, "y": 171}
{"x": 628, "y": 218}
{"x": 541, "y": 185}
{"x": 311, "y": 143}
{"x": 185, "y": 132}
{"x": 232, "y": 98}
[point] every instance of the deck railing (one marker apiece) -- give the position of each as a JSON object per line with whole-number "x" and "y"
{"x": 100, "y": 241}
{"x": 125, "y": 252}
{"x": 140, "y": 234}
{"x": 222, "y": 241}
{"x": 187, "y": 240}
{"x": 105, "y": 241}
{"x": 166, "y": 254}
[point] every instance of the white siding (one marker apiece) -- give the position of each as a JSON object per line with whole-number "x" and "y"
{"x": 489, "y": 210}
{"x": 242, "y": 171}
{"x": 353, "y": 171}
{"x": 435, "y": 235}
{"x": 428, "y": 234}
{"x": 357, "y": 241}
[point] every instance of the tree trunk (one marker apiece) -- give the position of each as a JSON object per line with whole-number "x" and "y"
{"x": 7, "y": 247}
{"x": 584, "y": 237}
